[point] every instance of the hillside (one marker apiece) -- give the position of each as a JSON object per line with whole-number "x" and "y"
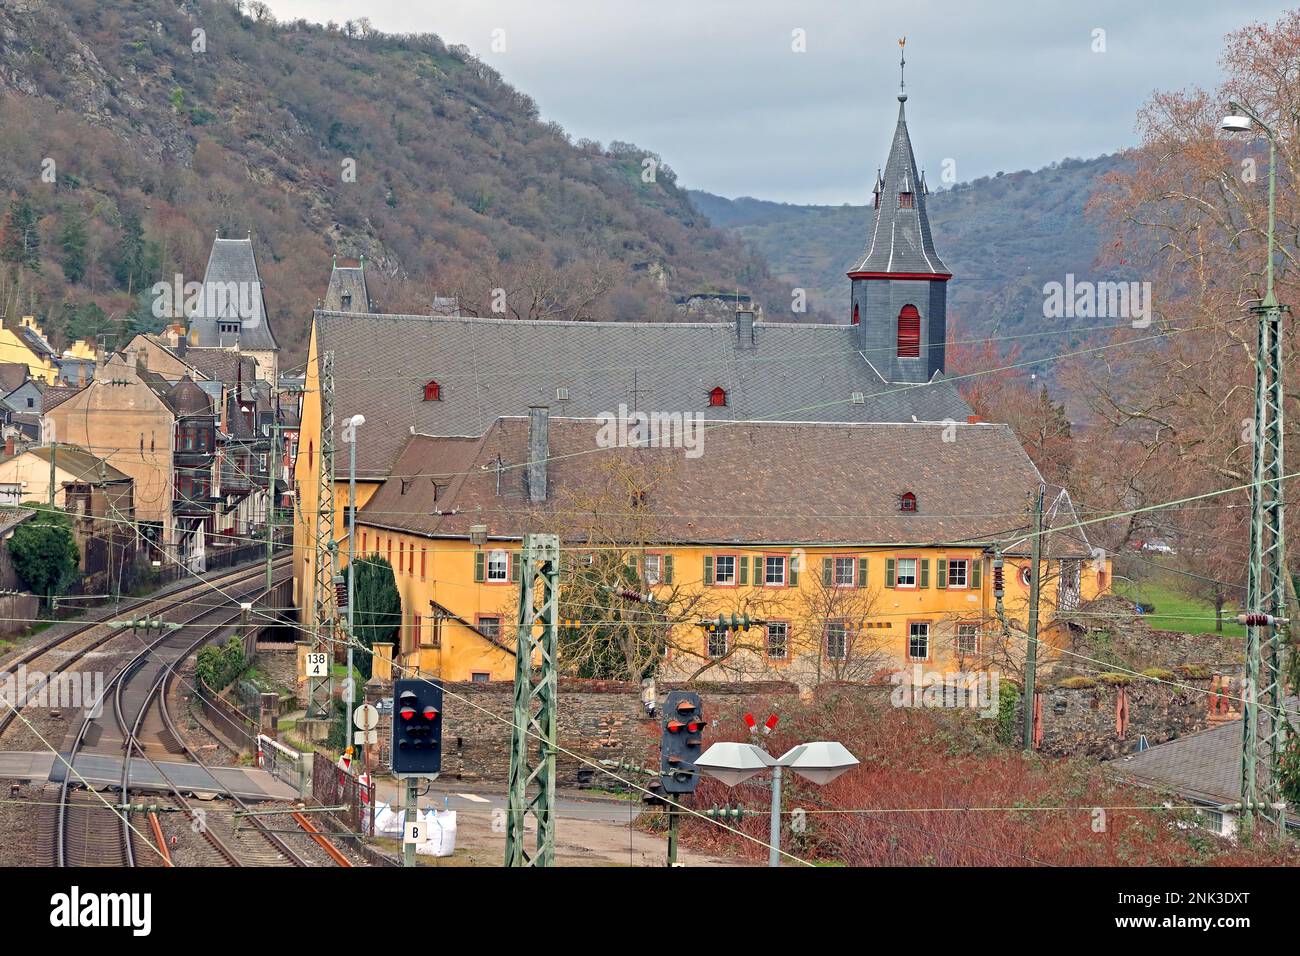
{"x": 1002, "y": 236}
{"x": 135, "y": 131}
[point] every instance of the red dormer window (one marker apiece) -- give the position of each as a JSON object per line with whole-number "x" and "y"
{"x": 855, "y": 313}
{"x": 907, "y": 501}
{"x": 433, "y": 392}
{"x": 904, "y": 200}
{"x": 909, "y": 332}
{"x": 718, "y": 397}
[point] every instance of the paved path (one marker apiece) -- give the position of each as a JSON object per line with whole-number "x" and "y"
{"x": 101, "y": 770}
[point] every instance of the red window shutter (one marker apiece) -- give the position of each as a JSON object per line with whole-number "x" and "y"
{"x": 855, "y": 314}
{"x": 718, "y": 397}
{"x": 909, "y": 332}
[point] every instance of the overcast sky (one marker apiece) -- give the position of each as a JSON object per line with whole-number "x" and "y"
{"x": 715, "y": 87}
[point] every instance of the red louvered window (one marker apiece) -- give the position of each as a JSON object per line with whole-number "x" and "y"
{"x": 904, "y": 200}
{"x": 432, "y": 392}
{"x": 718, "y": 397}
{"x": 855, "y": 313}
{"x": 909, "y": 332}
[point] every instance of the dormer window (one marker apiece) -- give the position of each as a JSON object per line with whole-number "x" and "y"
{"x": 905, "y": 200}
{"x": 433, "y": 392}
{"x": 229, "y": 328}
{"x": 855, "y": 313}
{"x": 907, "y": 502}
{"x": 718, "y": 397}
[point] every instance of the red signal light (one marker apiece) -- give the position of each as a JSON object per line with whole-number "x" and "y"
{"x": 694, "y": 726}
{"x": 430, "y": 713}
{"x": 675, "y": 726}
{"x": 407, "y": 713}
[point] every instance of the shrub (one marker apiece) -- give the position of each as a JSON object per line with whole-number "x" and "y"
{"x": 1076, "y": 683}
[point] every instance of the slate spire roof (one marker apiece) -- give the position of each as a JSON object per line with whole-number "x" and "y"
{"x": 232, "y": 289}
{"x": 347, "y": 289}
{"x": 900, "y": 240}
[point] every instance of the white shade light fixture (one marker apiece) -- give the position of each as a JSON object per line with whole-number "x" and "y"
{"x": 733, "y": 763}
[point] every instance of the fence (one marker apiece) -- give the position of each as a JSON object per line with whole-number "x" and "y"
{"x": 285, "y": 764}
{"x": 229, "y": 721}
{"x": 332, "y": 787}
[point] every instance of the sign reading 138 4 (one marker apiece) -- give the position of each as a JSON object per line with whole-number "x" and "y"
{"x": 318, "y": 664}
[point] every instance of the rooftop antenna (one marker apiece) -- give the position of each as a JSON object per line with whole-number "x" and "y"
{"x": 902, "y": 85}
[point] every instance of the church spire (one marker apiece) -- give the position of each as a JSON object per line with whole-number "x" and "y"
{"x": 900, "y": 240}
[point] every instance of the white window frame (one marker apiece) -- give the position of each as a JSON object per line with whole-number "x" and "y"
{"x": 967, "y": 629}
{"x": 913, "y": 634}
{"x": 730, "y": 581}
{"x": 852, "y": 564}
{"x": 898, "y": 572}
{"x": 781, "y": 563}
{"x": 785, "y": 640}
{"x": 964, "y": 563}
{"x": 843, "y": 627}
{"x": 653, "y": 568}
{"x": 497, "y": 559}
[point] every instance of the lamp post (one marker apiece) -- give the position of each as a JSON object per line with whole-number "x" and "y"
{"x": 734, "y": 763}
{"x": 1266, "y": 582}
{"x": 350, "y": 436}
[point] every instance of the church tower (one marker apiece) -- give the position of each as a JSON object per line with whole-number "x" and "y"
{"x": 899, "y": 283}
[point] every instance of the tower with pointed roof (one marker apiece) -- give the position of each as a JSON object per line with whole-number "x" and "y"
{"x": 899, "y": 283}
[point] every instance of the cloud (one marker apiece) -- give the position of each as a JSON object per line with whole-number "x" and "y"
{"x": 717, "y": 91}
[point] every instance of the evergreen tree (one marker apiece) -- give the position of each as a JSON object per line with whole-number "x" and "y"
{"x": 138, "y": 261}
{"x": 72, "y": 239}
{"x": 378, "y": 611}
{"x": 22, "y": 242}
{"x": 45, "y": 553}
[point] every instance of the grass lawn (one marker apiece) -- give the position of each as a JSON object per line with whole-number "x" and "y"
{"x": 1176, "y": 611}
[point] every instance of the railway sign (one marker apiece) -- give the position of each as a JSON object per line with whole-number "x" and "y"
{"x": 318, "y": 664}
{"x": 416, "y": 832}
{"x": 364, "y": 737}
{"x": 366, "y": 717}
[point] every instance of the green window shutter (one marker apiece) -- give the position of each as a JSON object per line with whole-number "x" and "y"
{"x": 516, "y": 567}
{"x": 743, "y": 561}
{"x": 708, "y": 569}
{"x": 976, "y": 567}
{"x": 925, "y": 573}
{"x": 828, "y": 571}
{"x": 667, "y": 575}
{"x": 941, "y": 579}
{"x": 862, "y": 572}
{"x": 480, "y": 560}
{"x": 793, "y": 572}
{"x": 889, "y": 572}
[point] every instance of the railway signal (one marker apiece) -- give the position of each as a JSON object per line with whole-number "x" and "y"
{"x": 417, "y": 728}
{"x": 681, "y": 742}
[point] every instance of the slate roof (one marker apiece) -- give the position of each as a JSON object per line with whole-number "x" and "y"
{"x": 12, "y": 375}
{"x": 900, "y": 239}
{"x": 232, "y": 261}
{"x": 347, "y": 289}
{"x": 492, "y": 367}
{"x": 777, "y": 483}
{"x": 218, "y": 365}
{"x": 1204, "y": 767}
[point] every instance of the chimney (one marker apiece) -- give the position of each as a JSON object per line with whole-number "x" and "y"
{"x": 972, "y": 419}
{"x": 744, "y": 328}
{"x": 141, "y": 360}
{"x": 9, "y": 447}
{"x": 539, "y": 449}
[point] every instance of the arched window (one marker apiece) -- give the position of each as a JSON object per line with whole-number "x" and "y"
{"x": 907, "y": 501}
{"x": 909, "y": 332}
{"x": 855, "y": 313}
{"x": 718, "y": 397}
{"x": 432, "y": 392}
{"x": 904, "y": 200}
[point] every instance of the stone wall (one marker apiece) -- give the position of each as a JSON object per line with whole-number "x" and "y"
{"x": 601, "y": 720}
{"x": 279, "y": 662}
{"x": 1108, "y": 720}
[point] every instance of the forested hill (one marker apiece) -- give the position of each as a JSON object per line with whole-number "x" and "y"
{"x": 135, "y": 131}
{"x": 1003, "y": 236}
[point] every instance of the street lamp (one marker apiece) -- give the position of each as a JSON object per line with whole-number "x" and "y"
{"x": 733, "y": 763}
{"x": 350, "y": 437}
{"x": 1266, "y": 588}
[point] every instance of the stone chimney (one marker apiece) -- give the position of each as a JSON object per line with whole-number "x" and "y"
{"x": 744, "y": 328}
{"x": 539, "y": 450}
